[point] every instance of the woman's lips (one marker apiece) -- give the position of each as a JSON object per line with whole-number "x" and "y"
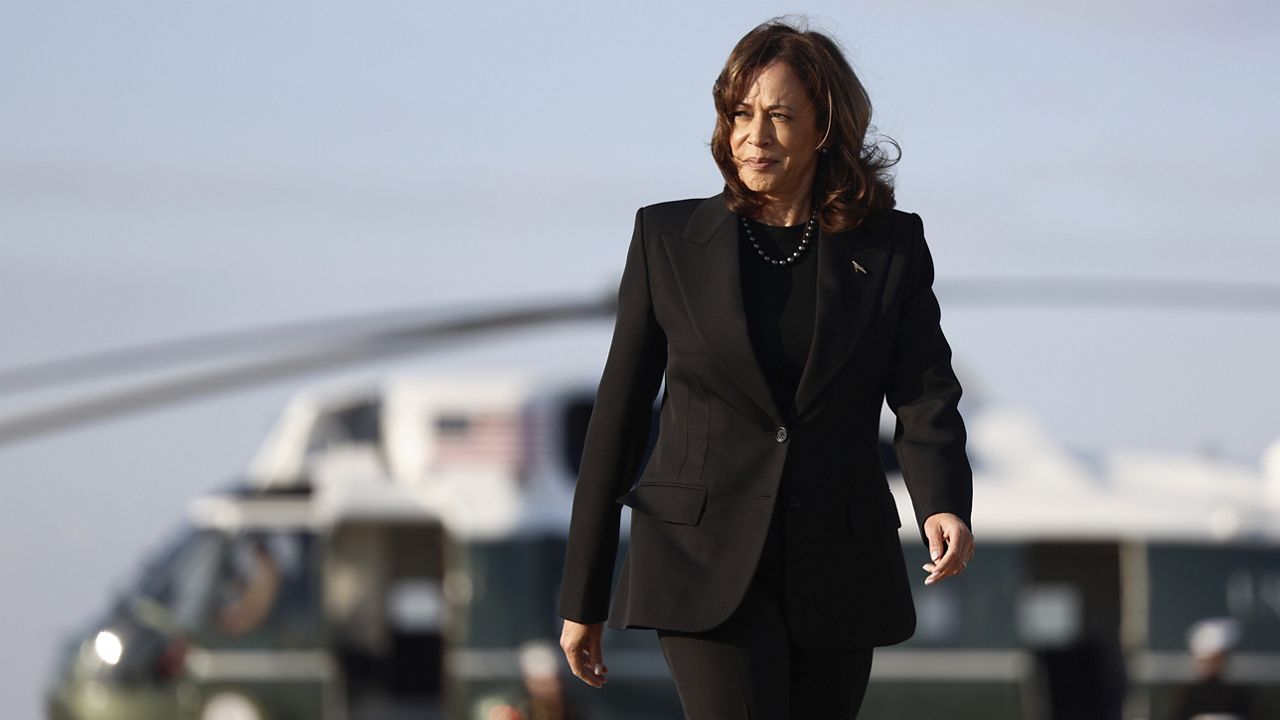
{"x": 760, "y": 164}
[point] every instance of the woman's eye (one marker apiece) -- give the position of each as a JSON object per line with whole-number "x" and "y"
{"x": 736, "y": 114}
{"x": 778, "y": 116}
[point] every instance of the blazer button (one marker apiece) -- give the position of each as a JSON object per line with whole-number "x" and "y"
{"x": 794, "y": 501}
{"x": 781, "y": 434}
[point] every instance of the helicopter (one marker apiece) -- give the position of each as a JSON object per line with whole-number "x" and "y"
{"x": 407, "y": 536}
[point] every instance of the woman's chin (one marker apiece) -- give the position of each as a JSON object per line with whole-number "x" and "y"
{"x": 756, "y": 184}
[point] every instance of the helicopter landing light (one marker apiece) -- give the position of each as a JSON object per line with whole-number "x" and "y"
{"x": 108, "y": 647}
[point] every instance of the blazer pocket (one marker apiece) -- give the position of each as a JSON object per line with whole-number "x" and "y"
{"x": 873, "y": 513}
{"x": 669, "y": 502}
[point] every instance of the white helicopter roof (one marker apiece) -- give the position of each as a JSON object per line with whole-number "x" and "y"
{"x": 1031, "y": 486}
{"x": 1026, "y": 484}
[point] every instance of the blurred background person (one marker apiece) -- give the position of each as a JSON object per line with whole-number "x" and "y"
{"x": 1209, "y": 696}
{"x": 251, "y": 598}
{"x": 540, "y": 668}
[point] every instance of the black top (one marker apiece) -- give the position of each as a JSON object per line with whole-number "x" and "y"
{"x": 779, "y": 303}
{"x": 1211, "y": 695}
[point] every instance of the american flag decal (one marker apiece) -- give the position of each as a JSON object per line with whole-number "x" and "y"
{"x": 489, "y": 440}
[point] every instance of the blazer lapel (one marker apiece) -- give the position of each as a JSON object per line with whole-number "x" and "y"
{"x": 705, "y": 262}
{"x": 846, "y": 297}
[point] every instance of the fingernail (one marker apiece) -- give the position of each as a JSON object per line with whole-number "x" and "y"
{"x": 935, "y": 554}
{"x": 599, "y": 669}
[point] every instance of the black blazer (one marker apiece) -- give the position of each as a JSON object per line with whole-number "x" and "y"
{"x": 702, "y": 506}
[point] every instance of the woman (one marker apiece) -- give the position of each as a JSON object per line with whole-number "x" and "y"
{"x": 783, "y": 312}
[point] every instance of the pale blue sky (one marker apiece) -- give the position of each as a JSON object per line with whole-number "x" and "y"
{"x": 169, "y": 169}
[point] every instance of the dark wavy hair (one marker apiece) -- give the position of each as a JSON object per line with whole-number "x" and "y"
{"x": 852, "y": 177}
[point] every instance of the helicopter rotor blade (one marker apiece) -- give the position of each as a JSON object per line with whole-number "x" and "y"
{"x": 159, "y": 355}
{"x": 352, "y": 351}
{"x": 341, "y": 347}
{"x": 965, "y": 291}
{"x": 1113, "y": 292}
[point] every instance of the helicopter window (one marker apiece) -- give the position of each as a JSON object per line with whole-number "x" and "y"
{"x": 178, "y": 578}
{"x": 513, "y": 593}
{"x": 357, "y": 424}
{"x": 265, "y": 590}
{"x": 163, "y": 598}
{"x": 500, "y": 573}
{"x": 1190, "y": 582}
{"x": 979, "y": 608}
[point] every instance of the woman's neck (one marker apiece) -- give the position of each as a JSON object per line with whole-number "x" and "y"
{"x": 782, "y": 211}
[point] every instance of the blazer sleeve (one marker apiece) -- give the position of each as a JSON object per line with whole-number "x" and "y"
{"x": 616, "y": 437}
{"x": 923, "y": 392}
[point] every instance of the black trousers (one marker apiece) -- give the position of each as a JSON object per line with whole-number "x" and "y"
{"x": 748, "y": 668}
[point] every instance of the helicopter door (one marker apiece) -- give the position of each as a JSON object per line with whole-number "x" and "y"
{"x": 384, "y": 601}
{"x": 1069, "y": 616}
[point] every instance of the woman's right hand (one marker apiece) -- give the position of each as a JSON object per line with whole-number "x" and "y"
{"x": 582, "y": 646}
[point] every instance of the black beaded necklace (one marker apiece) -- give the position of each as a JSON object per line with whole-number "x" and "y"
{"x": 804, "y": 241}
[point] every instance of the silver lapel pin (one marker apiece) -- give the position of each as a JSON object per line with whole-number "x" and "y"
{"x": 859, "y": 268}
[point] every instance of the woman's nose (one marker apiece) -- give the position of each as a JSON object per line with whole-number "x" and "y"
{"x": 758, "y": 133}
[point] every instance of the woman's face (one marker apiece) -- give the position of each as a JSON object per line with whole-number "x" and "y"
{"x": 775, "y": 134}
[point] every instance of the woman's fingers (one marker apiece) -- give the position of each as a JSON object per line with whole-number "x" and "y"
{"x": 595, "y": 658}
{"x": 582, "y": 646}
{"x": 581, "y": 665}
{"x": 959, "y": 549}
{"x": 949, "y": 563}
